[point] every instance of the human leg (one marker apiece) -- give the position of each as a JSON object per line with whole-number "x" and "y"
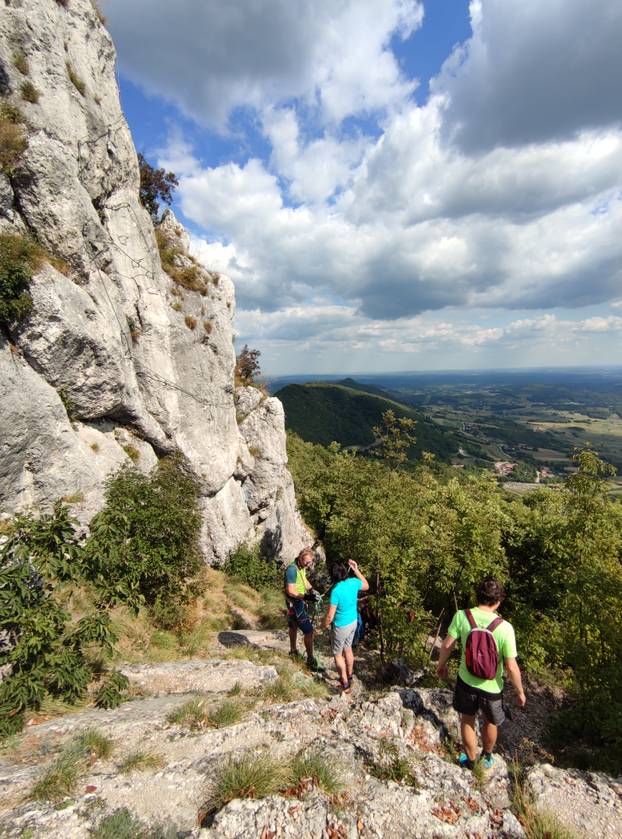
{"x": 469, "y": 737}
{"x": 489, "y": 736}
{"x": 349, "y": 662}
{"x": 293, "y": 638}
{"x": 340, "y": 664}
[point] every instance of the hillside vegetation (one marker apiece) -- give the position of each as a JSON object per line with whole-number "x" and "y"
{"x": 325, "y": 413}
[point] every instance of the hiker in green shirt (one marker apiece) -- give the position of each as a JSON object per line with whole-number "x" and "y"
{"x": 479, "y": 686}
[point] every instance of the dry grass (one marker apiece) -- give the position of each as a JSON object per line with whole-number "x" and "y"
{"x": 21, "y": 63}
{"x": 191, "y": 322}
{"x": 75, "y": 79}
{"x": 30, "y": 92}
{"x": 141, "y": 762}
{"x": 187, "y": 276}
{"x": 13, "y": 142}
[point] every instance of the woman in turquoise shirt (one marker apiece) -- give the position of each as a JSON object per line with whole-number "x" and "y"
{"x": 342, "y": 617}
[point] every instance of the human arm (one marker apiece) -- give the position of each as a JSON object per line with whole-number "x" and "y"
{"x": 446, "y": 650}
{"x": 330, "y": 615}
{"x": 355, "y": 570}
{"x": 513, "y": 671}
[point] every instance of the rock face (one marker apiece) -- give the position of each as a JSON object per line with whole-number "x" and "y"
{"x": 118, "y": 359}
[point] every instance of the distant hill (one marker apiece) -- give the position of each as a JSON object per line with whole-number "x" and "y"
{"x": 322, "y": 413}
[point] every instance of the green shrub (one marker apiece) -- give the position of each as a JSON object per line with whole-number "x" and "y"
{"x": 143, "y": 545}
{"x": 20, "y": 258}
{"x": 13, "y": 142}
{"x": 112, "y": 691}
{"x": 155, "y": 185}
{"x": 30, "y": 92}
{"x": 248, "y": 565}
{"x": 45, "y": 650}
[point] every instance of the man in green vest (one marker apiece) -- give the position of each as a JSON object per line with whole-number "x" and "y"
{"x": 297, "y": 590}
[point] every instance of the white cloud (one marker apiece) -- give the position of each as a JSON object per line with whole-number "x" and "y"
{"x": 209, "y": 57}
{"x": 534, "y": 71}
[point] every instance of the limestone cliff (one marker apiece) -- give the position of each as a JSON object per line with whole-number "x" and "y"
{"x": 117, "y": 359}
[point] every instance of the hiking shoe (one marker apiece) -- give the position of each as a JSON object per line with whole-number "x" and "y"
{"x": 314, "y": 665}
{"x": 487, "y": 761}
{"x": 464, "y": 761}
{"x": 295, "y": 654}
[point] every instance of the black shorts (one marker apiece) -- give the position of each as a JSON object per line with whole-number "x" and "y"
{"x": 469, "y": 700}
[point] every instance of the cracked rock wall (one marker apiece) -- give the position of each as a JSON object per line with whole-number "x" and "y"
{"x": 117, "y": 361}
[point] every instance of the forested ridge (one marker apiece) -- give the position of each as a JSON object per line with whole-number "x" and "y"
{"x": 425, "y": 539}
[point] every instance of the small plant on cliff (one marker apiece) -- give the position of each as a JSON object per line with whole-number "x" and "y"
{"x": 20, "y": 258}
{"x": 247, "y": 367}
{"x": 21, "y": 63}
{"x": 30, "y": 92}
{"x": 155, "y": 185}
{"x": 75, "y": 79}
{"x": 143, "y": 545}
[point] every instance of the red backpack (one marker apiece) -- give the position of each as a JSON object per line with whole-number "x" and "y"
{"x": 481, "y": 653}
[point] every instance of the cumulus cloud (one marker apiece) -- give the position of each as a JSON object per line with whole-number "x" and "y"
{"x": 210, "y": 57}
{"x": 532, "y": 72}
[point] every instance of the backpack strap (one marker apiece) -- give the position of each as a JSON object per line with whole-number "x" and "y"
{"x": 470, "y": 618}
{"x": 494, "y": 624}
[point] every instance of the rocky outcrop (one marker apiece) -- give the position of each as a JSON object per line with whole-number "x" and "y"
{"x": 119, "y": 360}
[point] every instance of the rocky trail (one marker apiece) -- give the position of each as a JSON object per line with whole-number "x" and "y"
{"x": 396, "y": 774}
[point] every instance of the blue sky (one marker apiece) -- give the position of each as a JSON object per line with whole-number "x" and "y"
{"x": 393, "y": 184}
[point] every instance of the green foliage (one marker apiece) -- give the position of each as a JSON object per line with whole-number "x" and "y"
{"x": 392, "y": 767}
{"x": 322, "y": 412}
{"x": 45, "y": 650}
{"x": 20, "y": 258}
{"x": 143, "y": 545}
{"x": 112, "y": 691}
{"x": 155, "y": 185}
{"x": 248, "y": 565}
{"x": 394, "y": 437}
{"x": 13, "y": 142}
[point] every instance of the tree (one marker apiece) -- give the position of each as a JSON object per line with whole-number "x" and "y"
{"x": 247, "y": 366}
{"x": 394, "y": 438}
{"x": 155, "y": 184}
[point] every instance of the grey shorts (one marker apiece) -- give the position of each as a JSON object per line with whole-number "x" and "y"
{"x": 342, "y": 637}
{"x": 469, "y": 700}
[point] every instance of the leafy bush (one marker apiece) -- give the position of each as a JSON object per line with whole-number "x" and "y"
{"x": 112, "y": 690}
{"x": 20, "y": 258}
{"x": 143, "y": 545}
{"x": 155, "y": 185}
{"x": 45, "y": 651}
{"x": 248, "y": 565}
{"x": 13, "y": 142}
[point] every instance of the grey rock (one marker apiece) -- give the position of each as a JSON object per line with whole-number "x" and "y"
{"x": 138, "y": 358}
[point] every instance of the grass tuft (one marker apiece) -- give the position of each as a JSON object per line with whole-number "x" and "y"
{"x": 313, "y": 766}
{"x": 75, "y": 80}
{"x": 93, "y": 744}
{"x": 30, "y": 92}
{"x": 228, "y": 713}
{"x": 141, "y": 762}
{"x": 537, "y": 823}
{"x": 190, "y": 322}
{"x": 60, "y": 780}
{"x": 21, "y": 63}
{"x": 248, "y": 776}
{"x": 392, "y": 767}
{"x": 192, "y": 714}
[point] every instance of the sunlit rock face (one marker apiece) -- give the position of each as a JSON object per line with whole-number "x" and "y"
{"x": 118, "y": 361}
